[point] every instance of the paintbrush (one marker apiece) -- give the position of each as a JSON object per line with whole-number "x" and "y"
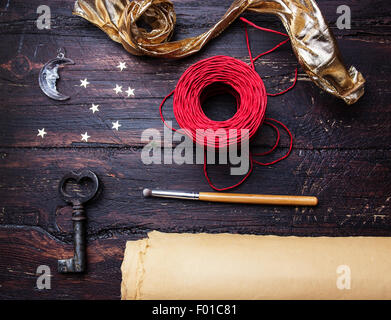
{"x": 235, "y": 197}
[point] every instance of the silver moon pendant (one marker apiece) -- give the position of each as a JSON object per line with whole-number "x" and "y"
{"x": 49, "y": 74}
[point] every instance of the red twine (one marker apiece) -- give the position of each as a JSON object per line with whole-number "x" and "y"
{"x": 218, "y": 74}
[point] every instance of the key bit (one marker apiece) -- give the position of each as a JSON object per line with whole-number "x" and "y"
{"x": 78, "y": 262}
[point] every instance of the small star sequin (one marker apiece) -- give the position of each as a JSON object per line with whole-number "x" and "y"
{"x": 85, "y": 137}
{"x": 84, "y": 83}
{"x": 122, "y": 66}
{"x": 117, "y": 89}
{"x": 130, "y": 92}
{"x": 116, "y": 125}
{"x": 94, "y": 108}
{"x": 41, "y": 133}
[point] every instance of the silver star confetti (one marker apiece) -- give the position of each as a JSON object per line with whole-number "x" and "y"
{"x": 122, "y": 66}
{"x": 116, "y": 125}
{"x": 94, "y": 108}
{"x": 117, "y": 89}
{"x": 85, "y": 137}
{"x": 84, "y": 83}
{"x": 41, "y": 133}
{"x": 130, "y": 92}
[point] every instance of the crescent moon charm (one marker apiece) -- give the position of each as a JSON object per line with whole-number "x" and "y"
{"x": 49, "y": 74}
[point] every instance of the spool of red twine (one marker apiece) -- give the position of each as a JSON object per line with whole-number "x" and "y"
{"x": 223, "y": 74}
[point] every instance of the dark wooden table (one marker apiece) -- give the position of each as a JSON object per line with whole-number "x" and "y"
{"x": 342, "y": 154}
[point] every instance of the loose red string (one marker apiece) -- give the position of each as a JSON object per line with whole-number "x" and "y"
{"x": 240, "y": 80}
{"x": 266, "y": 52}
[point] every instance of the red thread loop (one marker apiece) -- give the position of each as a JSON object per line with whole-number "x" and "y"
{"x": 225, "y": 74}
{"x": 266, "y": 52}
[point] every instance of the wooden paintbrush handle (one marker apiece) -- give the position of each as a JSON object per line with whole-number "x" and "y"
{"x": 258, "y": 199}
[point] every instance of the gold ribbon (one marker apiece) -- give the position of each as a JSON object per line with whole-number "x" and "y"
{"x": 312, "y": 40}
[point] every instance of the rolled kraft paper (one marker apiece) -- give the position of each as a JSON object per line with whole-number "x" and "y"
{"x": 312, "y": 41}
{"x": 231, "y": 266}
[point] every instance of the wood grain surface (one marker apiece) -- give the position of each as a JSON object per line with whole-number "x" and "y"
{"x": 342, "y": 154}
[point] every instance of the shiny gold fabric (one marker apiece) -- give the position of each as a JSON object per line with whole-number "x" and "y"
{"x": 312, "y": 40}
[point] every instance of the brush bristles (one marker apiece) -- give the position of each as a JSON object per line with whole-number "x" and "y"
{"x": 147, "y": 193}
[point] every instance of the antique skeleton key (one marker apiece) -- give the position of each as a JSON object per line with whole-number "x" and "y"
{"x": 78, "y": 262}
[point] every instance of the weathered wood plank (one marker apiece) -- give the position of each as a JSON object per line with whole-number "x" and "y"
{"x": 369, "y": 17}
{"x": 23, "y": 250}
{"x": 350, "y": 184}
{"x": 317, "y": 119}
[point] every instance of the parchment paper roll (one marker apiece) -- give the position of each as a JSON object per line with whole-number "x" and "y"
{"x": 230, "y": 266}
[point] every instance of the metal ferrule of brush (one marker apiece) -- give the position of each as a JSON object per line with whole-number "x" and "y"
{"x": 175, "y": 194}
